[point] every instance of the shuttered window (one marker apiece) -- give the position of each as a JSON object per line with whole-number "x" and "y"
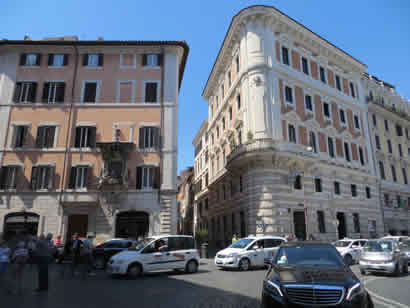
{"x": 25, "y": 92}
{"x": 53, "y": 92}
{"x": 42, "y": 177}
{"x": 57, "y": 60}
{"x": 30, "y": 59}
{"x": 90, "y": 92}
{"x": 152, "y": 60}
{"x": 93, "y": 60}
{"x": 79, "y": 177}
{"x": 148, "y": 177}
{"x": 321, "y": 221}
{"x": 85, "y": 136}
{"x": 151, "y": 89}
{"x": 20, "y": 136}
{"x": 149, "y": 137}
{"x": 8, "y": 177}
{"x": 45, "y": 136}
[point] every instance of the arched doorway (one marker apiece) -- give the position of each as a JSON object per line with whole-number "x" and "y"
{"x": 20, "y": 223}
{"x": 132, "y": 224}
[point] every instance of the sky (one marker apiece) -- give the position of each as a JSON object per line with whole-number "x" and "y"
{"x": 376, "y": 32}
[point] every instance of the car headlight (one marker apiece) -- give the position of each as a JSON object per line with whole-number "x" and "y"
{"x": 232, "y": 255}
{"x": 273, "y": 288}
{"x": 356, "y": 290}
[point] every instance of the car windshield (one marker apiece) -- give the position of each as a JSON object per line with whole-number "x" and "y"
{"x": 141, "y": 244}
{"x": 241, "y": 243}
{"x": 309, "y": 255}
{"x": 378, "y": 246}
{"x": 342, "y": 243}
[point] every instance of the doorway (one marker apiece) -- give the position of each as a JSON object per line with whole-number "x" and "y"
{"x": 20, "y": 224}
{"x": 77, "y": 223}
{"x": 132, "y": 225}
{"x": 300, "y": 225}
{"x": 341, "y": 228}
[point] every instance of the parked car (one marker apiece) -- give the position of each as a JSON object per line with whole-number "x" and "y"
{"x": 385, "y": 256}
{"x": 248, "y": 252}
{"x": 399, "y": 238}
{"x": 312, "y": 274}
{"x": 104, "y": 251}
{"x": 406, "y": 248}
{"x": 350, "y": 249}
{"x": 156, "y": 253}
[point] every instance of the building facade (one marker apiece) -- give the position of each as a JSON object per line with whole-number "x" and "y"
{"x": 389, "y": 124}
{"x": 186, "y": 202}
{"x": 88, "y": 136}
{"x": 288, "y": 135}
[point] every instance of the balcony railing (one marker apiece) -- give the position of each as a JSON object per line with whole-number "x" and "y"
{"x": 388, "y": 107}
{"x": 251, "y": 146}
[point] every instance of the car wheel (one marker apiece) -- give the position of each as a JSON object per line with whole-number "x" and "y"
{"x": 244, "y": 264}
{"x": 191, "y": 267}
{"x": 405, "y": 268}
{"x": 363, "y": 272}
{"x": 348, "y": 260}
{"x": 134, "y": 271}
{"x": 99, "y": 263}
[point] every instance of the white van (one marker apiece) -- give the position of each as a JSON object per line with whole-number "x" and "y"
{"x": 156, "y": 253}
{"x": 249, "y": 251}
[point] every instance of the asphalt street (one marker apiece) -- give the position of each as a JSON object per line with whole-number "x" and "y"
{"x": 210, "y": 287}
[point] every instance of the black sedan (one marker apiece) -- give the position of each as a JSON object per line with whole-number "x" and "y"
{"x": 104, "y": 251}
{"x": 312, "y": 274}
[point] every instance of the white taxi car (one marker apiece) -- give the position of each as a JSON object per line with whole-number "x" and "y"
{"x": 350, "y": 249}
{"x": 249, "y": 251}
{"x": 156, "y": 253}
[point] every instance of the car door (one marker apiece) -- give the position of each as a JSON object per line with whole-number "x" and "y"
{"x": 153, "y": 256}
{"x": 111, "y": 248}
{"x": 355, "y": 250}
{"x": 177, "y": 254}
{"x": 256, "y": 253}
{"x": 271, "y": 247}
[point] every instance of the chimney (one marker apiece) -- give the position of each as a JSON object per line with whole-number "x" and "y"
{"x": 27, "y": 38}
{"x": 100, "y": 38}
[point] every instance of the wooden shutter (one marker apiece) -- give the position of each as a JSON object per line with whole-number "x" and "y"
{"x": 73, "y": 173}
{"x": 33, "y": 90}
{"x": 60, "y": 89}
{"x": 25, "y": 134}
{"x": 50, "y": 59}
{"x": 141, "y": 137}
{"x": 49, "y": 137}
{"x": 100, "y": 59}
{"x": 139, "y": 178}
{"x": 156, "y": 178}
{"x": 3, "y": 176}
{"x": 157, "y": 139}
{"x": 92, "y": 132}
{"x": 90, "y": 92}
{"x": 86, "y": 177}
{"x": 17, "y": 91}
{"x": 46, "y": 89}
{"x": 160, "y": 59}
{"x": 23, "y": 58}
{"x": 40, "y": 136}
{"x": 51, "y": 177}
{"x": 33, "y": 182}
{"x": 38, "y": 59}
{"x": 65, "y": 61}
{"x": 77, "y": 137}
{"x": 20, "y": 180}
{"x": 144, "y": 60}
{"x": 85, "y": 59}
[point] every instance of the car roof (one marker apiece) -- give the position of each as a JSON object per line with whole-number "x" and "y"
{"x": 169, "y": 235}
{"x": 352, "y": 239}
{"x": 119, "y": 239}
{"x": 305, "y": 243}
{"x": 264, "y": 237}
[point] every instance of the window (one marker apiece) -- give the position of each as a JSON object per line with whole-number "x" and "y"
{"x": 389, "y": 146}
{"x": 217, "y": 131}
{"x": 356, "y": 222}
{"x": 386, "y": 200}
{"x": 404, "y": 175}
{"x": 331, "y": 147}
{"x": 400, "y": 150}
{"x": 321, "y": 221}
{"x": 368, "y": 193}
{"x": 285, "y": 55}
{"x": 374, "y": 120}
{"x": 223, "y": 124}
{"x": 308, "y": 103}
{"x": 399, "y": 130}
{"x": 148, "y": 177}
{"x": 93, "y": 60}
{"x": 352, "y": 92}
{"x": 347, "y": 152}
{"x": 305, "y": 66}
{"x": 342, "y": 116}
{"x": 386, "y": 125}
{"x": 78, "y": 177}
{"x": 25, "y": 92}
{"x": 322, "y": 75}
{"x": 53, "y": 92}
{"x": 85, "y": 136}
{"x": 57, "y": 60}
{"x": 45, "y": 136}
{"x": 318, "y": 185}
{"x": 20, "y": 136}
{"x": 377, "y": 138}
{"x": 393, "y": 173}
{"x": 326, "y": 110}
{"x": 292, "y": 133}
{"x": 230, "y": 113}
{"x": 240, "y": 183}
{"x": 128, "y": 61}
{"x": 42, "y": 177}
{"x": 381, "y": 169}
{"x": 90, "y": 92}
{"x": 229, "y": 79}
{"x": 353, "y": 189}
{"x": 30, "y": 59}
{"x": 151, "y": 92}
{"x": 149, "y": 137}
{"x": 312, "y": 141}
{"x": 288, "y": 95}
{"x": 338, "y": 84}
{"x": 238, "y": 102}
{"x": 125, "y": 91}
{"x": 237, "y": 64}
{"x": 337, "y": 188}
{"x": 361, "y": 156}
{"x": 152, "y": 60}
{"x": 298, "y": 182}
{"x": 356, "y": 122}
{"x": 8, "y": 177}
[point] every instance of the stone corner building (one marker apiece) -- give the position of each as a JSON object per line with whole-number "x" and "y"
{"x": 288, "y": 135}
{"x": 88, "y": 136}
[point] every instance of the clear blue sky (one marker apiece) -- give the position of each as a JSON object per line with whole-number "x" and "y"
{"x": 377, "y": 32}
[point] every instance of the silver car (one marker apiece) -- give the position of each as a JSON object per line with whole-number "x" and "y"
{"x": 385, "y": 256}
{"x": 406, "y": 247}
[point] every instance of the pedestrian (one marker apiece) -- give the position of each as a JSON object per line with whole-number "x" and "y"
{"x": 58, "y": 240}
{"x": 65, "y": 254}
{"x": 234, "y": 238}
{"x": 43, "y": 257}
{"x": 86, "y": 256}
{"x": 4, "y": 264}
{"x": 19, "y": 258}
{"x": 76, "y": 253}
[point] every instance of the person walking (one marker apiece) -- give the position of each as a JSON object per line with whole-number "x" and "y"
{"x": 43, "y": 257}
{"x": 234, "y": 238}
{"x": 4, "y": 263}
{"x": 86, "y": 256}
{"x": 19, "y": 258}
{"x": 76, "y": 253}
{"x": 58, "y": 240}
